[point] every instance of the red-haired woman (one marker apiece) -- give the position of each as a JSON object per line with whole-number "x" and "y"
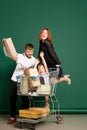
{"x": 50, "y": 55}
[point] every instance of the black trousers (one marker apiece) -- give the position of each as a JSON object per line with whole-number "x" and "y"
{"x": 13, "y": 100}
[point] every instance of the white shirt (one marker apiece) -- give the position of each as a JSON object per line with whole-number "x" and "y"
{"x": 22, "y": 63}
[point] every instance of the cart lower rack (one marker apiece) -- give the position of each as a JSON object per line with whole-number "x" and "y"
{"x": 41, "y": 91}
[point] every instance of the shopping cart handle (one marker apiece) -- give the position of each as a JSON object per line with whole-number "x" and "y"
{"x": 18, "y": 76}
{"x": 60, "y": 66}
{"x": 34, "y": 77}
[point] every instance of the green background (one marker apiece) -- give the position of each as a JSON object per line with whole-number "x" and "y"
{"x": 67, "y": 19}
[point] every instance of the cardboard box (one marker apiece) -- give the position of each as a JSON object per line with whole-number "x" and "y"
{"x": 44, "y": 89}
{"x": 9, "y": 46}
{"x": 33, "y": 83}
{"x": 34, "y": 112}
{"x": 34, "y": 80}
{"x": 31, "y": 72}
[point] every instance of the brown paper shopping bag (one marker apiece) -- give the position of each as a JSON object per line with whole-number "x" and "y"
{"x": 33, "y": 75}
{"x": 9, "y": 47}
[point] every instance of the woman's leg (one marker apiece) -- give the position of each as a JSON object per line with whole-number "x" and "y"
{"x": 47, "y": 101}
{"x": 65, "y": 78}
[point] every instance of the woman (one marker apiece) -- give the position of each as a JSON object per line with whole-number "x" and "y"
{"x": 50, "y": 55}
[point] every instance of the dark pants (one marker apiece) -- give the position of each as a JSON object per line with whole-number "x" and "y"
{"x": 13, "y": 99}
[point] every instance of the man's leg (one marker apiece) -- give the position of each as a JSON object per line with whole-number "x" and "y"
{"x": 13, "y": 99}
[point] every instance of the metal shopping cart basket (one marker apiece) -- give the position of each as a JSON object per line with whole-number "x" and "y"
{"x": 49, "y": 80}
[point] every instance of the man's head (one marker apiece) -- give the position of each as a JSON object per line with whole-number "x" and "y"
{"x": 29, "y": 50}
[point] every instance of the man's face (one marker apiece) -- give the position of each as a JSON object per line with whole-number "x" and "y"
{"x": 29, "y": 52}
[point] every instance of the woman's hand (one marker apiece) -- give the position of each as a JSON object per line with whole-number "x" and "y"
{"x": 41, "y": 54}
{"x": 57, "y": 66}
{"x": 37, "y": 62}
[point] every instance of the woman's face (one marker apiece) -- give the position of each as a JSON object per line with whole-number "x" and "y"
{"x": 44, "y": 34}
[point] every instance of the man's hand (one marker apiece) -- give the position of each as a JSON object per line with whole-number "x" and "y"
{"x": 3, "y": 41}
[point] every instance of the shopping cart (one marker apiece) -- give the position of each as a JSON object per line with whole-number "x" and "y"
{"x": 49, "y": 79}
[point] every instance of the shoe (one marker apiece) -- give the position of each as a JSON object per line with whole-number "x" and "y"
{"x": 67, "y": 75}
{"x": 11, "y": 120}
{"x": 67, "y": 79}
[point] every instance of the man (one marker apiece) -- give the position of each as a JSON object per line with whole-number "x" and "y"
{"x": 23, "y": 61}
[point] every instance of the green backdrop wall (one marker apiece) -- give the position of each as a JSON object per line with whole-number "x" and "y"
{"x": 67, "y": 20}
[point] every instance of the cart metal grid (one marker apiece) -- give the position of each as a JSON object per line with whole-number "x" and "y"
{"x": 53, "y": 75}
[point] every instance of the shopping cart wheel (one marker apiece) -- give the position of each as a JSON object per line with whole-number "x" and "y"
{"x": 21, "y": 125}
{"x": 33, "y": 126}
{"x": 59, "y": 119}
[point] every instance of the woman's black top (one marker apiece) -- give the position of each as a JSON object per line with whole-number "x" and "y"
{"x": 49, "y": 54}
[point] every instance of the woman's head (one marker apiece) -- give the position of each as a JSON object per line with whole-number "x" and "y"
{"x": 45, "y": 34}
{"x": 41, "y": 68}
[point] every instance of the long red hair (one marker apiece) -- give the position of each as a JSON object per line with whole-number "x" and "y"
{"x": 49, "y": 38}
